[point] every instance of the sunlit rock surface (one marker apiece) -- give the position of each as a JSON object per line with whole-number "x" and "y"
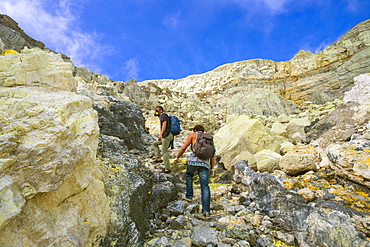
{"x": 53, "y": 186}
{"x": 292, "y": 152}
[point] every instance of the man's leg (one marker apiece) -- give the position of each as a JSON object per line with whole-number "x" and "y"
{"x": 190, "y": 170}
{"x": 157, "y": 151}
{"x": 206, "y": 193}
{"x": 165, "y": 145}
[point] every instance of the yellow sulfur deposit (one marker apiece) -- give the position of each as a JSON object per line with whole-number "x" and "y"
{"x": 7, "y": 52}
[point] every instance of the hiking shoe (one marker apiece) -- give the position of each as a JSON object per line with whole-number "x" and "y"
{"x": 207, "y": 215}
{"x": 166, "y": 170}
{"x": 204, "y": 216}
{"x": 158, "y": 161}
{"x": 187, "y": 199}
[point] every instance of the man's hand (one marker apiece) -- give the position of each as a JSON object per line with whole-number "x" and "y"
{"x": 160, "y": 138}
{"x": 212, "y": 172}
{"x": 176, "y": 160}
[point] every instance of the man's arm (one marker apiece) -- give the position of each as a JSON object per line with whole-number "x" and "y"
{"x": 185, "y": 146}
{"x": 212, "y": 162}
{"x": 163, "y": 129}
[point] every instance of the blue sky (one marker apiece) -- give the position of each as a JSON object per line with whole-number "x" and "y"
{"x": 171, "y": 39}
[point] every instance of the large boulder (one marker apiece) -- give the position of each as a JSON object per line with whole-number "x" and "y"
{"x": 299, "y": 161}
{"x": 243, "y": 134}
{"x": 267, "y": 160}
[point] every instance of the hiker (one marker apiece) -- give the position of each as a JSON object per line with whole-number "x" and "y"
{"x": 164, "y": 139}
{"x": 204, "y": 168}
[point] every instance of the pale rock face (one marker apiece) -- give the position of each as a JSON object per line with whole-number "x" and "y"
{"x": 245, "y": 155}
{"x": 29, "y": 69}
{"x": 267, "y": 160}
{"x": 243, "y": 134}
{"x": 48, "y": 137}
{"x": 259, "y": 102}
{"x": 360, "y": 93}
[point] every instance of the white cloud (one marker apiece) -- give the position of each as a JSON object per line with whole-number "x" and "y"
{"x": 256, "y": 6}
{"x": 275, "y": 5}
{"x": 307, "y": 46}
{"x": 131, "y": 68}
{"x": 172, "y": 20}
{"x": 355, "y": 5}
{"x": 56, "y": 24}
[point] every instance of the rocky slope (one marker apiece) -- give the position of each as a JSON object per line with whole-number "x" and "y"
{"x": 317, "y": 77}
{"x": 292, "y": 170}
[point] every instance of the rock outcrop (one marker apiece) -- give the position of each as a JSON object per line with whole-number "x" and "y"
{"x": 52, "y": 191}
{"x": 14, "y": 38}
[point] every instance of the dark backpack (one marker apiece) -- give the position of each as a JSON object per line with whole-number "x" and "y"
{"x": 203, "y": 147}
{"x": 175, "y": 127}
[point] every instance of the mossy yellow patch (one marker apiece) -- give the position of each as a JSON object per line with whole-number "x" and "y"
{"x": 216, "y": 185}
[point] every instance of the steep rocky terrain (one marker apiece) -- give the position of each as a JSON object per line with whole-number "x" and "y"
{"x": 292, "y": 144}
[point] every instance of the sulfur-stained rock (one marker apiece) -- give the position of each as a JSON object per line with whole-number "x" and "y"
{"x": 260, "y": 101}
{"x": 307, "y": 194}
{"x": 286, "y": 147}
{"x": 294, "y": 163}
{"x": 49, "y": 139}
{"x": 29, "y": 70}
{"x": 11, "y": 200}
{"x": 351, "y": 160}
{"x": 267, "y": 160}
{"x": 240, "y": 135}
{"x": 279, "y": 130}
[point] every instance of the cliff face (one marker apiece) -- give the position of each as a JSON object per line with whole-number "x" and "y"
{"x": 50, "y": 179}
{"x": 13, "y": 37}
{"x": 317, "y": 77}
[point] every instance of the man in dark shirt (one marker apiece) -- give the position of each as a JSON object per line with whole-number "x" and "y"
{"x": 164, "y": 139}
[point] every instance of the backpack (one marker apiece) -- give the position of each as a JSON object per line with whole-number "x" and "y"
{"x": 203, "y": 147}
{"x": 175, "y": 127}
